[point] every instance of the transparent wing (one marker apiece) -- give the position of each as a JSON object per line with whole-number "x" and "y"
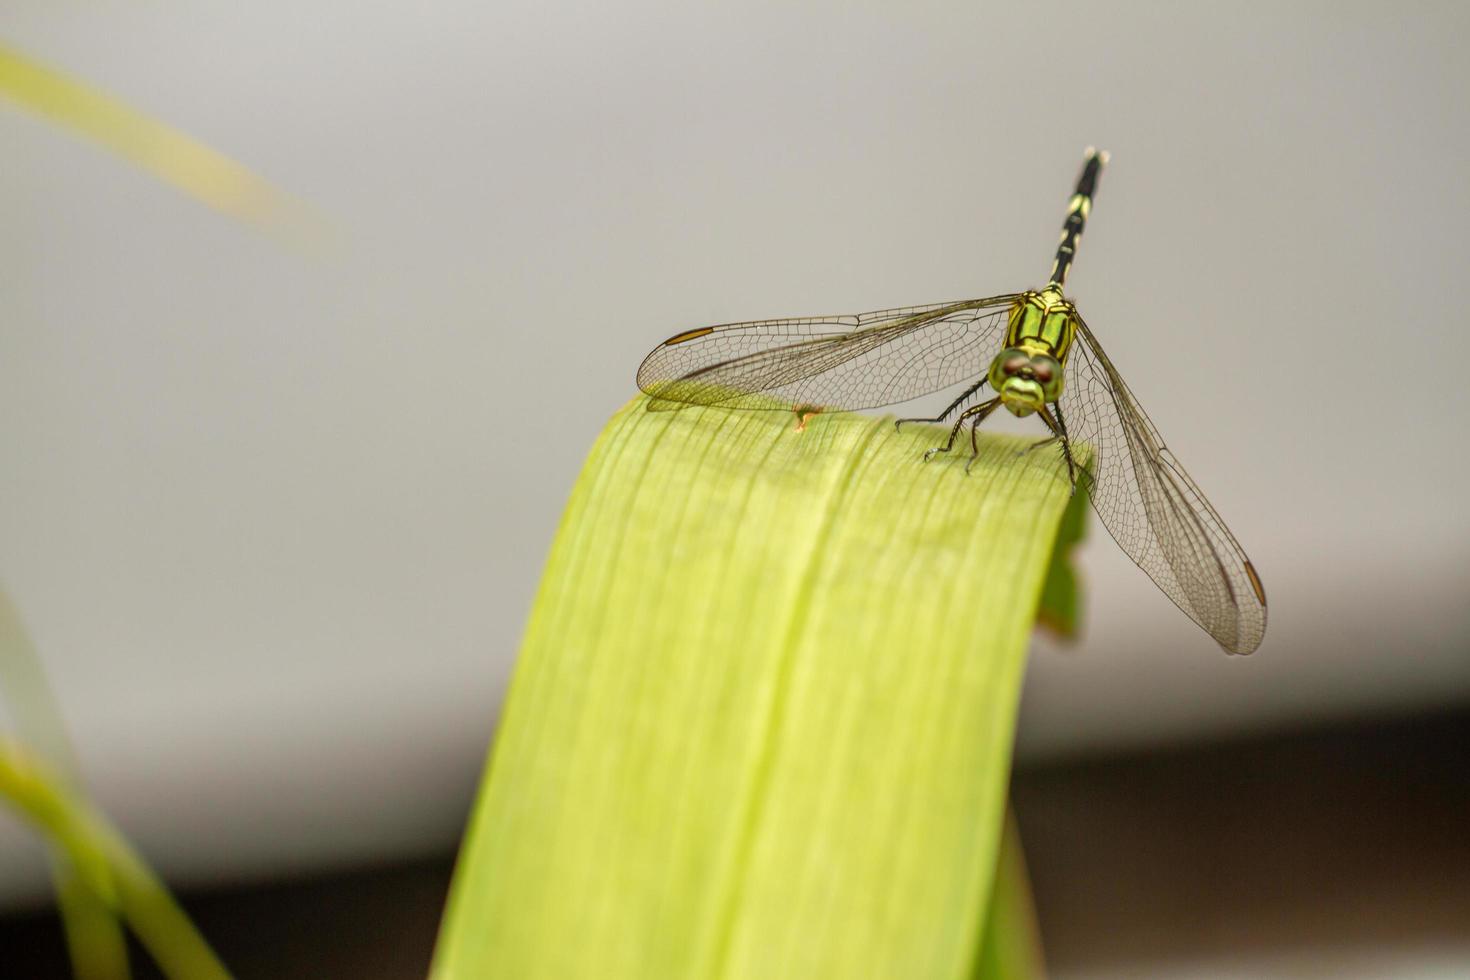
{"x": 1153, "y": 509}
{"x": 840, "y": 362}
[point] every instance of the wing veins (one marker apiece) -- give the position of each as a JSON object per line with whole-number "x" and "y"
{"x": 796, "y": 370}
{"x": 1155, "y": 510}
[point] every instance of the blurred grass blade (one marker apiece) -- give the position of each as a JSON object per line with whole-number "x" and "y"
{"x": 94, "y": 937}
{"x": 173, "y": 157}
{"x": 26, "y": 692}
{"x": 762, "y": 721}
{"x": 105, "y": 864}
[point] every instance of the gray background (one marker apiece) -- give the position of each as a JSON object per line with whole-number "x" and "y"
{"x": 275, "y": 520}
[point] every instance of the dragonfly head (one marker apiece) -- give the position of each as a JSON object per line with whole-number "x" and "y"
{"x": 1025, "y": 379}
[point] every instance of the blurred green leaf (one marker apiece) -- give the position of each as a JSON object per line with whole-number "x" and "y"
{"x": 94, "y": 937}
{"x": 168, "y": 154}
{"x": 1011, "y": 946}
{"x": 762, "y": 721}
{"x": 100, "y": 880}
{"x": 105, "y": 864}
{"x": 1061, "y": 594}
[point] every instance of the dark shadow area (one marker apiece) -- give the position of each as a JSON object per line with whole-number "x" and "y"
{"x": 1334, "y": 838}
{"x": 1347, "y": 837}
{"x": 369, "y": 924}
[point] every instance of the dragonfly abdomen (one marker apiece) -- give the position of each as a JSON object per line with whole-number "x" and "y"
{"x": 1077, "y": 210}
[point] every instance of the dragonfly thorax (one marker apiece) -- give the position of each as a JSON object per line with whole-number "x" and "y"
{"x": 1028, "y": 373}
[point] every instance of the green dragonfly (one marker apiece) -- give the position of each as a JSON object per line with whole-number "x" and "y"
{"x": 1043, "y": 360}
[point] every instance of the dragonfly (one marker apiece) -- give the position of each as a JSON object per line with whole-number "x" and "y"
{"x": 1039, "y": 357}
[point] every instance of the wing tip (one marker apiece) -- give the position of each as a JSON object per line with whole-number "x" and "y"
{"x": 1245, "y": 642}
{"x": 1260, "y": 590}
{"x": 679, "y": 338}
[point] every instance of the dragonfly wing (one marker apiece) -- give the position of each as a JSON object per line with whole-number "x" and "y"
{"x": 840, "y": 362}
{"x": 1153, "y": 509}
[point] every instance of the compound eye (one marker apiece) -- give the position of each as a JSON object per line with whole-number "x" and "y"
{"x": 1013, "y": 363}
{"x": 1042, "y": 370}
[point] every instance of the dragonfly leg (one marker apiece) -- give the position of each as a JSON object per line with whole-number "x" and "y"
{"x": 950, "y": 441}
{"x": 952, "y": 406}
{"x": 1067, "y": 448}
{"x": 983, "y": 409}
{"x": 1058, "y": 426}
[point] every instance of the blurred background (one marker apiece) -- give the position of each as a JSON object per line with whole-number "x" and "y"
{"x": 275, "y": 517}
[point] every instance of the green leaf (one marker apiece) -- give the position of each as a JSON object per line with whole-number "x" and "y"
{"x": 761, "y": 724}
{"x": 1061, "y": 594}
{"x": 1012, "y": 944}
